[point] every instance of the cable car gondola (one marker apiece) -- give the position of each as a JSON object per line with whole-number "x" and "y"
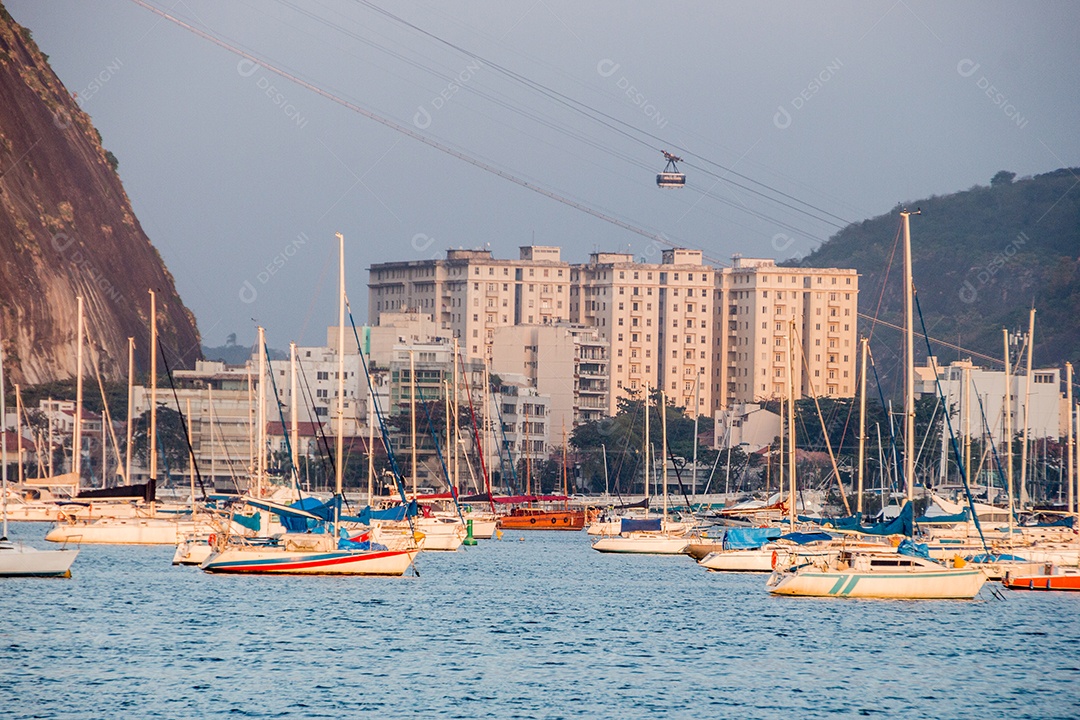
{"x": 671, "y": 177}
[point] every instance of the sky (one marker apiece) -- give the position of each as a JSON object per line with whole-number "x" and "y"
{"x": 795, "y": 118}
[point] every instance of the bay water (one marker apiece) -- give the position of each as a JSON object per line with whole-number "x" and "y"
{"x": 537, "y": 625}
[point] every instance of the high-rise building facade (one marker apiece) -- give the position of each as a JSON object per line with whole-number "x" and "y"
{"x": 759, "y": 308}
{"x": 657, "y": 318}
{"x": 470, "y": 293}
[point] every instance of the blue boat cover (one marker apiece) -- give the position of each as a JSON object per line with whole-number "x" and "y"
{"x": 913, "y": 549}
{"x": 805, "y": 538}
{"x": 749, "y": 538}
{"x": 346, "y": 544}
{"x": 900, "y": 525}
{"x": 630, "y": 525}
{"x": 251, "y": 523}
{"x": 850, "y": 522}
{"x": 990, "y": 557}
{"x": 959, "y": 517}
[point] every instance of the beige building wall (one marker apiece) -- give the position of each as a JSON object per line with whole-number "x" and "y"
{"x": 759, "y": 306}
{"x": 656, "y": 317}
{"x": 564, "y": 362}
{"x": 470, "y": 293}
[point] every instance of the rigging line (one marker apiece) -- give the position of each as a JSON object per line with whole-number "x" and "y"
{"x": 936, "y": 341}
{"x": 281, "y": 417}
{"x": 586, "y": 110}
{"x": 393, "y": 125}
{"x": 183, "y": 425}
{"x": 309, "y": 400}
{"x": 952, "y": 435}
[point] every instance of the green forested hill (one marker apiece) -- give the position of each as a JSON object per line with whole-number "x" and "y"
{"x": 981, "y": 258}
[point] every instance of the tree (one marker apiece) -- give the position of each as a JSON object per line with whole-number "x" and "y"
{"x": 171, "y": 440}
{"x": 1003, "y": 177}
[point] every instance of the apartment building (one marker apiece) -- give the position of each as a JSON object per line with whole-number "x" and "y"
{"x": 657, "y": 319}
{"x": 569, "y": 363}
{"x": 470, "y": 292}
{"x": 759, "y": 308}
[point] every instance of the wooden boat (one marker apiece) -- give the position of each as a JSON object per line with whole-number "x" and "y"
{"x": 1053, "y": 577}
{"x": 536, "y": 519}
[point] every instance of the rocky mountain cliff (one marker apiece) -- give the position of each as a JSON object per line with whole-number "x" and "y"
{"x": 66, "y": 230}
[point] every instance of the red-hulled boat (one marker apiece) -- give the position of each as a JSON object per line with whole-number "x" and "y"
{"x": 1053, "y": 578}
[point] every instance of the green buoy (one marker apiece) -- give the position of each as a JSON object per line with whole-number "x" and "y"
{"x": 469, "y": 539}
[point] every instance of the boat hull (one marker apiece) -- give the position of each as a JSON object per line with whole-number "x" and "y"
{"x": 127, "y": 531}
{"x": 642, "y": 545}
{"x": 1055, "y": 580}
{"x": 263, "y": 561}
{"x": 21, "y": 561}
{"x": 759, "y": 560}
{"x": 544, "y": 520}
{"x": 934, "y": 585}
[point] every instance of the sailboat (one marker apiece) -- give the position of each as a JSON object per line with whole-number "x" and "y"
{"x": 16, "y": 559}
{"x": 315, "y": 553}
{"x": 903, "y": 574}
{"x": 139, "y": 524}
{"x": 650, "y": 536}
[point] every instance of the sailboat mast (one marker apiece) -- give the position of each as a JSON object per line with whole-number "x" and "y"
{"x": 130, "y": 410}
{"x": 210, "y": 419}
{"x": 1068, "y": 440}
{"x": 607, "y": 489}
{"x": 862, "y": 425}
{"x": 454, "y": 408}
{"x": 1027, "y": 414}
{"x": 697, "y": 414}
{"x": 153, "y": 385}
{"x": 449, "y": 435}
{"x": 412, "y": 415}
{"x": 19, "y": 443}
{"x": 370, "y": 444}
{"x": 191, "y": 459}
{"x": 791, "y": 424}
{"x": 294, "y": 415}
{"x": 260, "y": 445}
{"x": 3, "y": 443}
{"x": 646, "y": 449}
{"x": 909, "y": 361}
{"x": 565, "y": 486}
{"x": 967, "y": 423}
{"x": 664, "y": 451}
{"x": 339, "y": 448}
{"x": 1008, "y": 428}
{"x": 76, "y": 443}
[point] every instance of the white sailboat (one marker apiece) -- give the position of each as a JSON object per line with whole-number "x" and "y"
{"x": 648, "y": 537}
{"x": 881, "y": 574}
{"x": 307, "y": 553}
{"x": 17, "y": 559}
